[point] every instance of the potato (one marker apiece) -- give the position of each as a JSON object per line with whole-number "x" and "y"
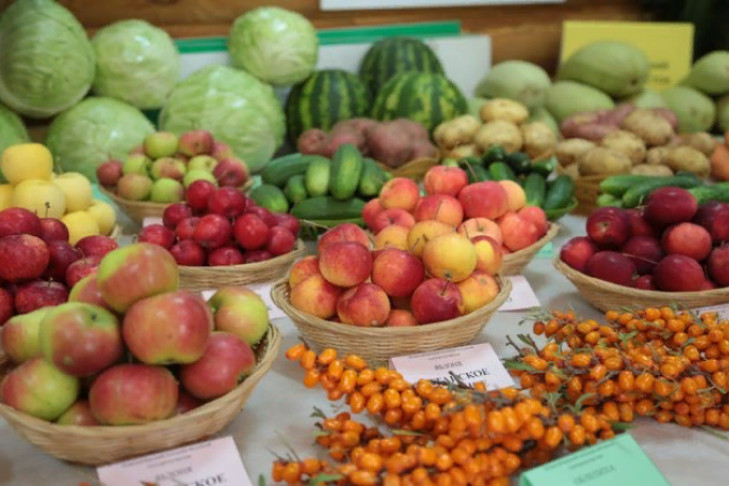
{"x": 616, "y": 116}
{"x": 390, "y": 145}
{"x": 423, "y": 148}
{"x": 651, "y": 170}
{"x": 311, "y": 141}
{"x": 669, "y": 116}
{"x": 456, "y": 132}
{"x": 688, "y": 159}
{"x": 416, "y": 130}
{"x": 701, "y": 141}
{"x": 570, "y": 126}
{"x": 538, "y": 138}
{"x": 339, "y": 137}
{"x": 656, "y": 155}
{"x": 569, "y": 151}
{"x": 604, "y": 161}
{"x": 573, "y": 171}
{"x": 360, "y": 125}
{"x": 627, "y": 143}
{"x": 504, "y": 109}
{"x": 651, "y": 127}
{"x": 468, "y": 150}
{"x": 499, "y": 132}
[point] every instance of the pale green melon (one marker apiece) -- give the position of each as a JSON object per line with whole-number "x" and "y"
{"x": 522, "y": 81}
{"x": 647, "y": 98}
{"x": 722, "y": 113}
{"x": 565, "y": 98}
{"x": 541, "y": 114}
{"x": 710, "y": 74}
{"x": 695, "y": 111}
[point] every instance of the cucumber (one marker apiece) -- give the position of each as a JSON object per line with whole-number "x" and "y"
{"x": 606, "y": 199}
{"x": 704, "y": 194}
{"x": 317, "y": 177}
{"x": 499, "y": 171}
{"x": 545, "y": 167}
{"x": 535, "y": 188}
{"x": 295, "y": 189}
{"x": 617, "y": 185}
{"x": 372, "y": 180}
{"x": 519, "y": 162}
{"x": 328, "y": 208}
{"x": 639, "y": 193}
{"x": 346, "y": 171}
{"x": 494, "y": 154}
{"x": 471, "y": 159}
{"x": 270, "y": 197}
{"x": 280, "y": 170}
{"x": 560, "y": 192}
{"x": 476, "y": 173}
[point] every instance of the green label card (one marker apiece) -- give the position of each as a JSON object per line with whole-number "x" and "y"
{"x": 619, "y": 461}
{"x": 547, "y": 251}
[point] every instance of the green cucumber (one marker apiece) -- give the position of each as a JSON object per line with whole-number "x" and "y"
{"x": 545, "y": 167}
{"x": 605, "y": 199}
{"x": 519, "y": 162}
{"x": 476, "y": 173}
{"x": 470, "y": 160}
{"x": 494, "y": 154}
{"x": 617, "y": 185}
{"x": 346, "y": 171}
{"x": 328, "y": 208}
{"x": 560, "y": 192}
{"x": 295, "y": 189}
{"x": 639, "y": 193}
{"x": 717, "y": 192}
{"x": 499, "y": 171}
{"x": 535, "y": 188}
{"x": 280, "y": 170}
{"x": 270, "y": 197}
{"x": 372, "y": 180}
{"x": 317, "y": 177}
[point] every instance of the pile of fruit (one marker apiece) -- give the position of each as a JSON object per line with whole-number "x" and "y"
{"x": 673, "y": 245}
{"x": 74, "y": 354}
{"x": 720, "y": 160}
{"x": 164, "y": 166}
{"x": 38, "y": 264}
{"x": 32, "y": 185}
{"x": 220, "y": 226}
{"x": 630, "y": 191}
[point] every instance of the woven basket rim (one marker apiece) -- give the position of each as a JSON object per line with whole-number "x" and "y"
{"x": 113, "y": 432}
{"x": 552, "y": 231}
{"x": 277, "y": 294}
{"x": 225, "y": 270}
{"x": 585, "y": 280}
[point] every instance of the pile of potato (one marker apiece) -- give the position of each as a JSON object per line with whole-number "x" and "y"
{"x": 628, "y": 140}
{"x": 503, "y": 123}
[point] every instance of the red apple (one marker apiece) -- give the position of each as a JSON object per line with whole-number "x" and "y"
{"x": 678, "y": 273}
{"x": 157, "y": 234}
{"x": 718, "y": 265}
{"x": 645, "y": 282}
{"x": 81, "y": 339}
{"x": 7, "y": 308}
{"x": 365, "y": 305}
{"x": 175, "y": 213}
{"x": 221, "y": 150}
{"x": 188, "y": 253}
{"x": 228, "y": 202}
{"x": 61, "y": 256}
{"x": 22, "y": 257}
{"x": 185, "y": 230}
{"x": 484, "y": 200}
{"x": 670, "y": 205}
{"x": 96, "y": 245}
{"x": 344, "y": 232}
{"x": 198, "y": 194}
{"x": 212, "y": 231}
{"x": 186, "y": 403}
{"x": 224, "y": 256}
{"x": 445, "y": 180}
{"x": 240, "y": 311}
{"x": 437, "y": 300}
{"x": 345, "y": 264}
{"x": 196, "y": 142}
{"x": 81, "y": 268}
{"x": 250, "y": 231}
{"x": 639, "y": 226}
{"x": 129, "y": 394}
{"x": 254, "y": 256}
{"x": 370, "y": 212}
{"x": 288, "y": 221}
{"x": 18, "y": 221}
{"x": 39, "y": 293}
{"x": 577, "y": 251}
{"x": 53, "y": 229}
{"x": 396, "y": 216}
{"x": 612, "y": 267}
{"x": 280, "y": 241}
{"x": 397, "y": 272}
{"x": 687, "y": 239}
{"x": 714, "y": 216}
{"x": 20, "y": 336}
{"x": 226, "y": 361}
{"x": 231, "y": 172}
{"x": 709, "y": 285}
{"x": 78, "y": 414}
{"x": 264, "y": 214}
{"x": 608, "y": 227}
{"x": 109, "y": 172}
{"x": 645, "y": 252}
{"x": 87, "y": 290}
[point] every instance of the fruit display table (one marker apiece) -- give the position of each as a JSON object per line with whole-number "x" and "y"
{"x": 278, "y": 412}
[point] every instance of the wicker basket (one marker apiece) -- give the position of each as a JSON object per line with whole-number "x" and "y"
{"x": 105, "y": 444}
{"x": 609, "y": 296}
{"x": 207, "y": 278}
{"x": 414, "y": 169}
{"x": 587, "y": 189}
{"x": 515, "y": 263}
{"x": 378, "y": 344}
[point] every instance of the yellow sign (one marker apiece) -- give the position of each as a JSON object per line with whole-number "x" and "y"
{"x": 668, "y": 46}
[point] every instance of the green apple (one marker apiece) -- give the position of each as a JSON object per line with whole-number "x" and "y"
{"x": 240, "y": 311}
{"x": 168, "y": 167}
{"x": 202, "y": 162}
{"x": 137, "y": 164}
{"x": 167, "y": 191}
{"x": 135, "y": 187}
{"x": 161, "y": 144}
{"x": 197, "y": 174}
{"x": 77, "y": 189}
{"x": 20, "y": 335}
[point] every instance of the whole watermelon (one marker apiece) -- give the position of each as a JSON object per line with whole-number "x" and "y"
{"x": 323, "y": 99}
{"x": 396, "y": 55}
{"x": 427, "y": 98}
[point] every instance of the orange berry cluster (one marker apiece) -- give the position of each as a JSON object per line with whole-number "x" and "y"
{"x": 673, "y": 366}
{"x": 437, "y": 435}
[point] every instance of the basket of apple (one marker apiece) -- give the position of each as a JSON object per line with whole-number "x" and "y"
{"x": 400, "y": 217}
{"x": 220, "y": 237}
{"x": 131, "y": 364}
{"x": 393, "y": 301}
{"x": 158, "y": 172}
{"x": 673, "y": 251}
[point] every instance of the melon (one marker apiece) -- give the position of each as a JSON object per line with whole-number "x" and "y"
{"x": 395, "y": 55}
{"x": 722, "y": 113}
{"x": 615, "y": 68}
{"x": 541, "y": 114}
{"x": 647, "y": 98}
{"x": 695, "y": 111}
{"x": 427, "y": 98}
{"x": 474, "y": 105}
{"x": 522, "y": 81}
{"x": 565, "y": 98}
{"x": 710, "y": 74}
{"x": 323, "y": 99}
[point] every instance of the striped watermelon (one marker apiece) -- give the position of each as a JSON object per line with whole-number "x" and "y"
{"x": 396, "y": 55}
{"x": 426, "y": 98}
{"x": 323, "y": 99}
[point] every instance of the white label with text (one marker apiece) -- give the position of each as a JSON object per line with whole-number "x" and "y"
{"x": 150, "y": 221}
{"x": 722, "y": 310}
{"x": 522, "y": 295}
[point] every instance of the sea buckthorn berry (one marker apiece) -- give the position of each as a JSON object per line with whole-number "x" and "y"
{"x": 355, "y": 362}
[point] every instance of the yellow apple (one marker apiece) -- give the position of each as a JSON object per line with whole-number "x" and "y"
{"x": 104, "y": 215}
{"x": 6, "y": 196}
{"x": 26, "y": 161}
{"x": 77, "y": 190}
{"x": 41, "y": 197}
{"x": 80, "y": 224}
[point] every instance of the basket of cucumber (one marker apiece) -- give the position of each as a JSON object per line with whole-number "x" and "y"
{"x": 630, "y": 191}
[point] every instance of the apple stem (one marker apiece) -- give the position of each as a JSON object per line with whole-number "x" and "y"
{"x": 639, "y": 258}
{"x": 48, "y": 208}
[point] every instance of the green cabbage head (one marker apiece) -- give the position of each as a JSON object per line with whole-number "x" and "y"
{"x": 94, "y": 131}
{"x": 12, "y": 129}
{"x": 237, "y": 108}
{"x": 275, "y": 45}
{"x": 46, "y": 60}
{"x": 136, "y": 62}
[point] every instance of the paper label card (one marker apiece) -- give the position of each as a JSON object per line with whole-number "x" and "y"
{"x": 618, "y": 461}
{"x": 722, "y": 310}
{"x": 264, "y": 291}
{"x": 469, "y": 364}
{"x": 149, "y": 221}
{"x": 522, "y": 295}
{"x": 211, "y": 463}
